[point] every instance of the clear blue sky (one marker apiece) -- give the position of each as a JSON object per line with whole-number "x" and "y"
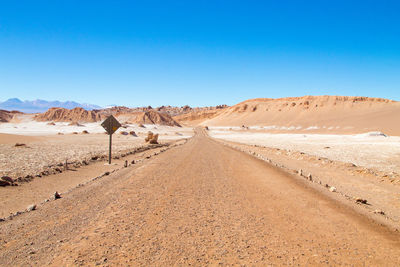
{"x": 139, "y": 53}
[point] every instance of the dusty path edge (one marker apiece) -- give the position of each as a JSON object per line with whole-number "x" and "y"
{"x": 164, "y": 147}
{"x": 341, "y": 202}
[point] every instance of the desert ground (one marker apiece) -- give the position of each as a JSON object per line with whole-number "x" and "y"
{"x": 296, "y": 181}
{"x": 44, "y": 147}
{"x": 370, "y": 150}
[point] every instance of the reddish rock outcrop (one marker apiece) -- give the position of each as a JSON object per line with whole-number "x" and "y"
{"x": 74, "y": 115}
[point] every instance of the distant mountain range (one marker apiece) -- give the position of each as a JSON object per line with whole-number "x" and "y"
{"x": 39, "y": 105}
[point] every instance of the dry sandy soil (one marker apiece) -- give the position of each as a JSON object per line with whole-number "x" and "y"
{"x": 358, "y": 166}
{"x": 367, "y": 150}
{"x": 274, "y": 192}
{"x": 381, "y": 191}
{"x": 15, "y": 199}
{"x": 201, "y": 203}
{"x": 26, "y": 126}
{"x": 44, "y": 149}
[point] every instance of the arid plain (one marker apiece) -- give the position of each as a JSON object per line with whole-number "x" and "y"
{"x": 308, "y": 180}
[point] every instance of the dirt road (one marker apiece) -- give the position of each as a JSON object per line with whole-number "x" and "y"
{"x": 198, "y": 204}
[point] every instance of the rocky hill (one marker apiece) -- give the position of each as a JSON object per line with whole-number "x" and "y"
{"x": 123, "y": 114}
{"x": 164, "y": 115}
{"x": 196, "y": 116}
{"x": 74, "y": 115}
{"x": 5, "y": 116}
{"x": 147, "y": 117}
{"x": 193, "y": 116}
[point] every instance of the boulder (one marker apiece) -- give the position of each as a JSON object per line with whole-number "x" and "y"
{"x": 154, "y": 139}
{"x": 149, "y": 136}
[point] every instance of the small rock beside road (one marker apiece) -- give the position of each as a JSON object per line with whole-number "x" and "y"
{"x": 4, "y": 183}
{"x": 361, "y": 201}
{"x": 57, "y": 195}
{"x": 31, "y": 207}
{"x": 7, "y": 179}
{"x": 379, "y": 212}
{"x": 20, "y": 145}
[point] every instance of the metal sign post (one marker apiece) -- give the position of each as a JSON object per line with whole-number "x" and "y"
{"x": 110, "y": 125}
{"x": 109, "y": 150}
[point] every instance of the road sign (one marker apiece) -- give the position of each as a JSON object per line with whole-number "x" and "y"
{"x": 110, "y": 125}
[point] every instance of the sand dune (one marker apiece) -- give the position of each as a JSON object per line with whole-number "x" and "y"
{"x": 334, "y": 114}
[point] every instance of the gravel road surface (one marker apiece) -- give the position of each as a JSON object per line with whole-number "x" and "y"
{"x": 199, "y": 204}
